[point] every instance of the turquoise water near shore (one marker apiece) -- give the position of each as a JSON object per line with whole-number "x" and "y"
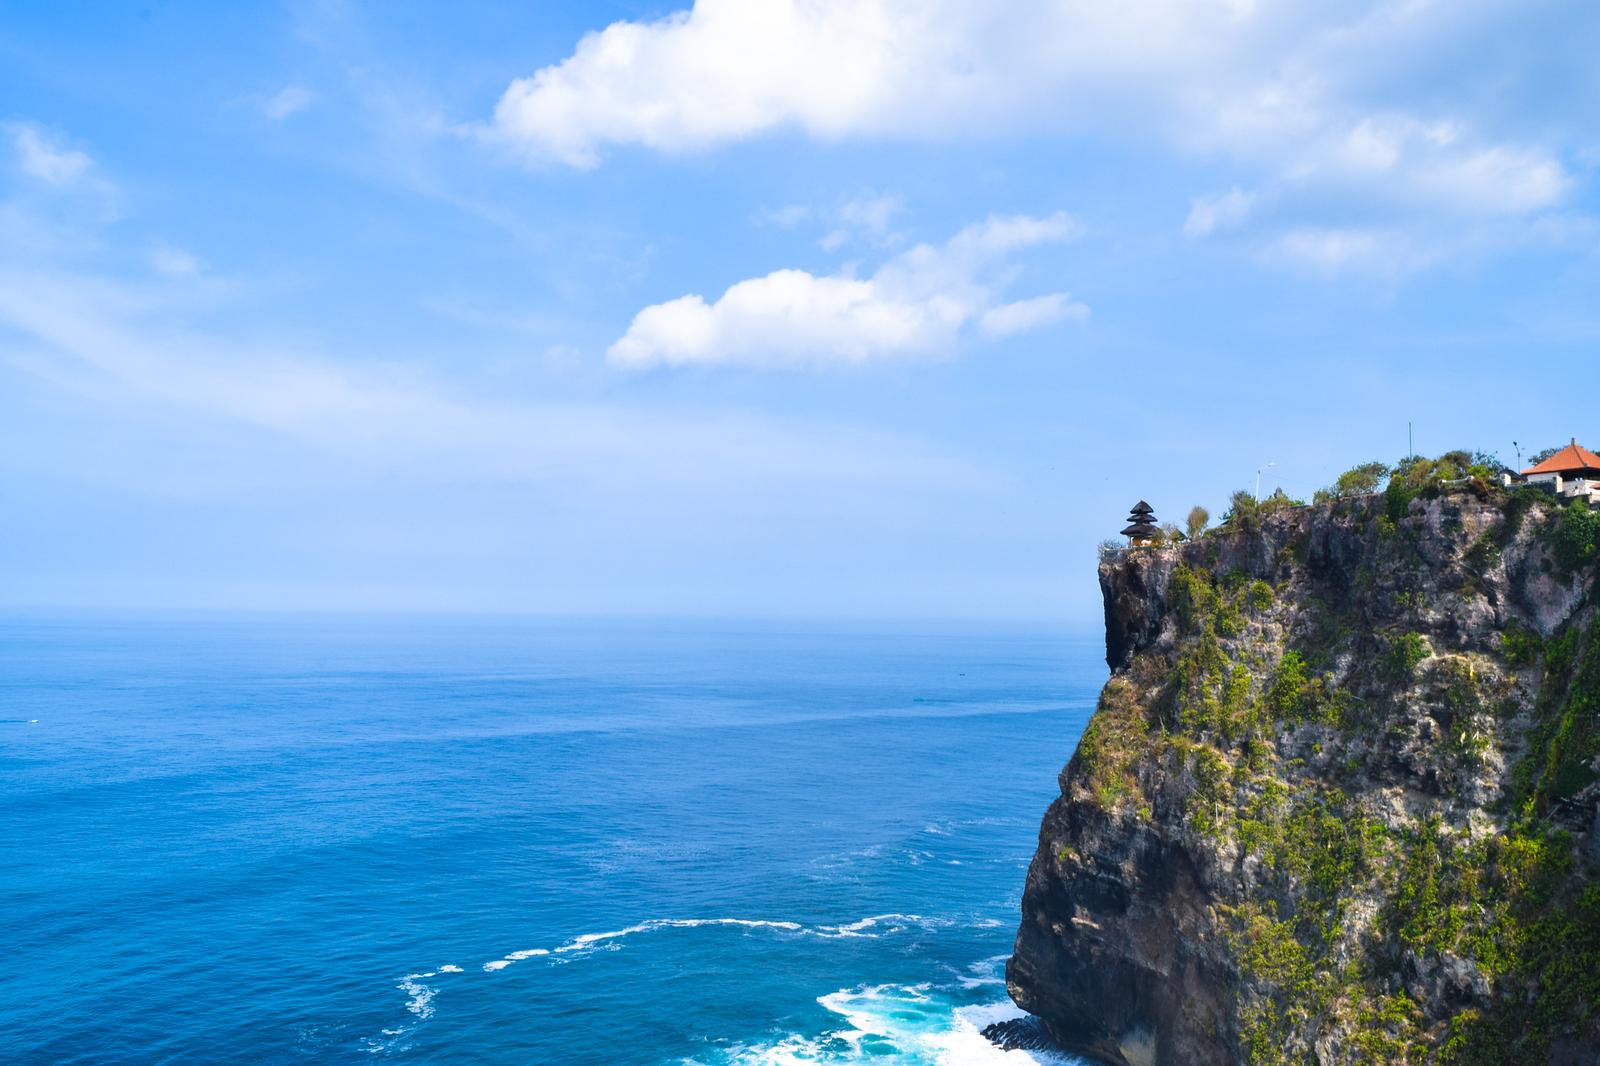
{"x": 334, "y": 840}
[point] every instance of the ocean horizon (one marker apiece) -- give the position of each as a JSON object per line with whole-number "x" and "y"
{"x": 332, "y": 838}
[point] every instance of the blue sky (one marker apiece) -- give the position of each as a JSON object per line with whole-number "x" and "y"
{"x": 862, "y": 309}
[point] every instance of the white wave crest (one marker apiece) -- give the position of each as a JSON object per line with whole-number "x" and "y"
{"x": 908, "y": 1024}
{"x": 589, "y": 941}
{"x": 875, "y": 925}
{"x": 889, "y": 923}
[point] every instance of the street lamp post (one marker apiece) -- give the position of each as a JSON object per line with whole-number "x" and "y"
{"x": 1269, "y": 466}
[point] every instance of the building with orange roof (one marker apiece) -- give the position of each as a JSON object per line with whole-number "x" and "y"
{"x": 1572, "y": 471}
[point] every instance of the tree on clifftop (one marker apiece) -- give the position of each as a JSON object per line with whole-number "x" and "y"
{"x": 1360, "y": 480}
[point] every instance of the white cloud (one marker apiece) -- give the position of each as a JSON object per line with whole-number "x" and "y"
{"x": 45, "y": 158}
{"x": 1210, "y": 75}
{"x": 871, "y": 213}
{"x": 1333, "y": 248}
{"x": 1501, "y": 179}
{"x": 174, "y": 262}
{"x": 1407, "y": 196}
{"x": 728, "y": 69}
{"x": 917, "y": 303}
{"x": 1020, "y": 316}
{"x": 1396, "y": 250}
{"x": 731, "y": 69}
{"x": 786, "y": 217}
{"x": 1381, "y": 253}
{"x": 1435, "y": 165}
{"x": 287, "y": 101}
{"x": 1211, "y": 214}
{"x": 1316, "y": 105}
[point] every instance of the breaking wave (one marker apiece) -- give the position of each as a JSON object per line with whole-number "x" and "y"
{"x": 911, "y": 1024}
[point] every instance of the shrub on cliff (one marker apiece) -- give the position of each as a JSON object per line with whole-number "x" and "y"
{"x": 1288, "y": 689}
{"x": 1397, "y": 496}
{"x": 1405, "y": 652}
{"x": 1520, "y": 645}
{"x": 1244, "y": 513}
{"x": 1486, "y": 466}
{"x": 1417, "y": 475}
{"x": 1359, "y": 480}
{"x": 1453, "y": 465}
{"x": 1193, "y": 597}
{"x": 1279, "y": 501}
{"x": 1577, "y": 537}
{"x": 1260, "y": 595}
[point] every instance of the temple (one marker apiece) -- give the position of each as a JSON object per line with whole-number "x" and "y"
{"x": 1572, "y": 471}
{"x": 1142, "y": 524}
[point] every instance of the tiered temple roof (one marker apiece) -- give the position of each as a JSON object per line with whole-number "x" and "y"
{"x": 1141, "y": 523}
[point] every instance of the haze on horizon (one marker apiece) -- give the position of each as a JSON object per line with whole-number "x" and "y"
{"x": 855, "y": 308}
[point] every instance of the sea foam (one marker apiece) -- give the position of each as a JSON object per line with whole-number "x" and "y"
{"x": 917, "y": 1025}
{"x": 421, "y": 1001}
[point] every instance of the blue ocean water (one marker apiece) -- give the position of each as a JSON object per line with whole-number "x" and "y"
{"x": 269, "y": 840}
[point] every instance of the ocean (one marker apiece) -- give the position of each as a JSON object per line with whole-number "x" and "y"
{"x": 269, "y": 840}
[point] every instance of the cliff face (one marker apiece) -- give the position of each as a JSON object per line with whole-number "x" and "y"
{"x": 1337, "y": 802}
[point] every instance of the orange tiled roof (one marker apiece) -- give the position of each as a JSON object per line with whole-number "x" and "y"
{"x": 1573, "y": 457}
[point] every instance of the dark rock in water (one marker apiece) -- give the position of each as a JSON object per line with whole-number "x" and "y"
{"x": 1021, "y": 1034}
{"x": 1339, "y": 802}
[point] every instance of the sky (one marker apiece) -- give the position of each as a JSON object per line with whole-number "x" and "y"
{"x": 853, "y": 309}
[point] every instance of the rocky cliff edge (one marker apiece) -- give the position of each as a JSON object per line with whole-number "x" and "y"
{"x": 1337, "y": 803}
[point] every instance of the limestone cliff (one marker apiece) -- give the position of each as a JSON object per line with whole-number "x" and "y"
{"x": 1337, "y": 803}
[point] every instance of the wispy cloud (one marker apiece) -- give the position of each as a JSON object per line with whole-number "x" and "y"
{"x": 1021, "y": 316}
{"x": 1389, "y": 197}
{"x": 918, "y": 303}
{"x": 46, "y": 157}
{"x": 130, "y": 345}
{"x": 1222, "y": 212}
{"x": 865, "y": 217}
{"x": 174, "y": 262}
{"x": 287, "y": 101}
